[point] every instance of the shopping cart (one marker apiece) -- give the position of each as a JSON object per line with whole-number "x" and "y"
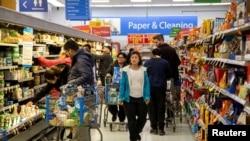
{"x": 74, "y": 110}
{"x": 173, "y": 106}
{"x": 111, "y": 98}
{"x": 3, "y": 135}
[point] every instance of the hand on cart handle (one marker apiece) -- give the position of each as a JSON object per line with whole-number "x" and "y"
{"x": 120, "y": 103}
{"x": 147, "y": 102}
{"x": 108, "y": 75}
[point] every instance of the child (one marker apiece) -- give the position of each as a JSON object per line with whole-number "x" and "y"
{"x": 134, "y": 95}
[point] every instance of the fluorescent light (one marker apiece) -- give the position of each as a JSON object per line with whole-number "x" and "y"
{"x": 162, "y": 5}
{"x": 100, "y": 1}
{"x": 183, "y": 0}
{"x": 140, "y": 0}
{"x": 56, "y": 3}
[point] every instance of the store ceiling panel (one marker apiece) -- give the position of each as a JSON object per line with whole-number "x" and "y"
{"x": 128, "y": 3}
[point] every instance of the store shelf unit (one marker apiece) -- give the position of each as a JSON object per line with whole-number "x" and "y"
{"x": 13, "y": 17}
{"x": 25, "y": 82}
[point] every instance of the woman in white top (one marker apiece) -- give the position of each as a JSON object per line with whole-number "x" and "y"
{"x": 134, "y": 95}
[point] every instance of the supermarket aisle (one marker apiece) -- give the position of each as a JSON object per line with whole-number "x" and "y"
{"x": 183, "y": 133}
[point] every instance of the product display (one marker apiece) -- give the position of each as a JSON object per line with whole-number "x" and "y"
{"x": 215, "y": 72}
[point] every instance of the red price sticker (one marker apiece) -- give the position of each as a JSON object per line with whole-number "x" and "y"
{"x": 135, "y": 39}
{"x": 148, "y": 38}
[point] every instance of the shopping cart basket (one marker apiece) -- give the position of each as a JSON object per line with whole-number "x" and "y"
{"x": 3, "y": 135}
{"x": 111, "y": 99}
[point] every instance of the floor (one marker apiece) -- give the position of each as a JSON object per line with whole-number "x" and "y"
{"x": 183, "y": 133}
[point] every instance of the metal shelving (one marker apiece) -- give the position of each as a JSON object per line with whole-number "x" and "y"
{"x": 14, "y": 17}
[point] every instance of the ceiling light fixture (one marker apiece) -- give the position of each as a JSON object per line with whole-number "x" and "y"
{"x": 140, "y": 0}
{"x": 162, "y": 5}
{"x": 56, "y": 3}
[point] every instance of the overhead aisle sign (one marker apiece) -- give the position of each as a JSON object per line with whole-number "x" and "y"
{"x": 33, "y": 6}
{"x": 77, "y": 10}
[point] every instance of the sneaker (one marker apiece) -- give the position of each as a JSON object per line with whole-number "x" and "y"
{"x": 161, "y": 132}
{"x": 153, "y": 131}
{"x": 69, "y": 136}
{"x": 114, "y": 118}
{"x": 138, "y": 138}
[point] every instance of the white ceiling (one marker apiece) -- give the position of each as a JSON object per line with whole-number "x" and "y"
{"x": 117, "y": 3}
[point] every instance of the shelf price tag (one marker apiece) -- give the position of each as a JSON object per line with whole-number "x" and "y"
{"x": 135, "y": 38}
{"x": 148, "y": 38}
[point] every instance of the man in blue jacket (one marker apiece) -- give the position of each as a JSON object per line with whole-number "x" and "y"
{"x": 82, "y": 64}
{"x": 158, "y": 72}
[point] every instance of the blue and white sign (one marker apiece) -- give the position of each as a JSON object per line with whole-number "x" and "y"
{"x": 156, "y": 24}
{"x": 33, "y": 6}
{"x": 77, "y": 10}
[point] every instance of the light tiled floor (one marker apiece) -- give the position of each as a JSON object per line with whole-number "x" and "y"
{"x": 183, "y": 133}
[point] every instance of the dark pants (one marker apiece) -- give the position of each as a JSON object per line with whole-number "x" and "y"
{"x": 113, "y": 109}
{"x": 102, "y": 77}
{"x": 136, "y": 112}
{"x": 157, "y": 108}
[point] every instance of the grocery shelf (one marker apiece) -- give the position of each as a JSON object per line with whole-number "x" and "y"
{"x": 8, "y": 67}
{"x": 8, "y": 45}
{"x": 40, "y": 86}
{"x": 189, "y": 91}
{"x": 25, "y": 98}
{"x": 224, "y": 92}
{"x": 14, "y": 17}
{"x": 9, "y": 87}
{"x": 229, "y": 61}
{"x": 8, "y": 107}
{"x": 21, "y": 124}
{"x": 48, "y": 56}
{"x": 220, "y": 35}
{"x": 216, "y": 114}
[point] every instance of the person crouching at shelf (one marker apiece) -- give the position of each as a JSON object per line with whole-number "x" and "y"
{"x": 114, "y": 109}
{"x": 56, "y": 76}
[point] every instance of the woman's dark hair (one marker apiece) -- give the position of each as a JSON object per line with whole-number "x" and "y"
{"x": 123, "y": 55}
{"x": 138, "y": 54}
{"x": 53, "y": 71}
{"x": 71, "y": 44}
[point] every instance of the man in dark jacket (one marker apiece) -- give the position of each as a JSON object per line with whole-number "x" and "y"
{"x": 82, "y": 63}
{"x": 169, "y": 53}
{"x": 159, "y": 72}
{"x": 104, "y": 61}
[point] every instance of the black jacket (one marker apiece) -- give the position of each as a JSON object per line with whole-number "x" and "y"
{"x": 105, "y": 61}
{"x": 110, "y": 69}
{"x": 168, "y": 53}
{"x": 81, "y": 69}
{"x": 60, "y": 82}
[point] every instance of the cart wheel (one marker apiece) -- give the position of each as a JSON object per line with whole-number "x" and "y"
{"x": 110, "y": 126}
{"x": 104, "y": 123}
{"x": 174, "y": 128}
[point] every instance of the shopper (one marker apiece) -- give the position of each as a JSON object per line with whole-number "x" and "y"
{"x": 104, "y": 61}
{"x": 87, "y": 48}
{"x": 114, "y": 109}
{"x": 56, "y": 76}
{"x": 82, "y": 63}
{"x": 81, "y": 72}
{"x": 63, "y": 58}
{"x": 158, "y": 71}
{"x": 134, "y": 94}
{"x": 169, "y": 53}
{"x": 128, "y": 56}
